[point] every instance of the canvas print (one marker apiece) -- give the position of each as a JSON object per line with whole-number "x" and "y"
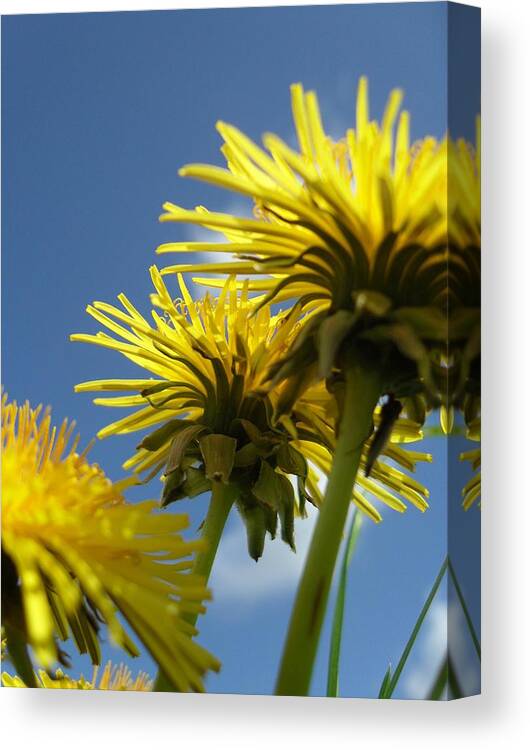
{"x": 241, "y": 351}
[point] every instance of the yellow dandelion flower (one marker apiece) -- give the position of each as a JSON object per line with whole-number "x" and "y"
{"x": 113, "y": 678}
{"x": 213, "y": 409}
{"x": 75, "y": 554}
{"x": 210, "y": 359}
{"x": 359, "y": 231}
{"x": 208, "y": 403}
{"x": 343, "y": 197}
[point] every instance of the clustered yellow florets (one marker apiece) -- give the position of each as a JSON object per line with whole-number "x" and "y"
{"x": 79, "y": 554}
{"x": 113, "y": 678}
{"x": 214, "y": 360}
{"x": 208, "y": 356}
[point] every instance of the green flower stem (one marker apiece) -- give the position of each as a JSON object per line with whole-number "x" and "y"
{"x": 223, "y": 496}
{"x": 362, "y": 390}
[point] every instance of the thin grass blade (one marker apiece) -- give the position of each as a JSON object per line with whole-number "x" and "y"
{"x": 465, "y": 610}
{"x": 385, "y": 683}
{"x": 410, "y": 643}
{"x": 452, "y": 679}
{"x": 338, "y": 614}
{"x": 436, "y": 691}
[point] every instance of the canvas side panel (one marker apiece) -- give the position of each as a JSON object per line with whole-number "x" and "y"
{"x": 463, "y": 366}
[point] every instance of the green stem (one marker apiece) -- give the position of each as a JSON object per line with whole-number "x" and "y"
{"x": 338, "y": 615}
{"x": 362, "y": 389}
{"x": 221, "y": 502}
{"x": 465, "y": 610}
{"x": 419, "y": 622}
{"x": 223, "y": 496}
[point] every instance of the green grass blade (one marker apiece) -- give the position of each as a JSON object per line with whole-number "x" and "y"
{"x": 410, "y": 643}
{"x": 385, "y": 683}
{"x": 465, "y": 610}
{"x": 452, "y": 679}
{"x": 338, "y": 614}
{"x": 435, "y": 693}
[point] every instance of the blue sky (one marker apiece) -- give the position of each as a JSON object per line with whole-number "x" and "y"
{"x": 99, "y": 111}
